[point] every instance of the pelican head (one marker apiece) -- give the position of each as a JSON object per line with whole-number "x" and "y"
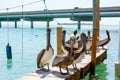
{"x": 48, "y": 29}
{"x": 63, "y": 37}
{"x": 75, "y": 32}
{"x": 88, "y": 34}
{"x": 72, "y": 39}
{"x": 108, "y": 34}
{"x": 64, "y": 31}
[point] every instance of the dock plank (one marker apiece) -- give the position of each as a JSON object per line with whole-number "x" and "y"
{"x": 53, "y": 74}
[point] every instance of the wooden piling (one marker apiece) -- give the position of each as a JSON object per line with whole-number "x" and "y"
{"x": 93, "y": 57}
{"x": 96, "y": 18}
{"x": 59, "y": 40}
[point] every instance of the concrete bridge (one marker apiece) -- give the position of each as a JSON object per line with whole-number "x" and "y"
{"x": 76, "y": 14}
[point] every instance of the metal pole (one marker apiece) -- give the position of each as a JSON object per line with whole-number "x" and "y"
{"x": 119, "y": 46}
{"x": 96, "y": 17}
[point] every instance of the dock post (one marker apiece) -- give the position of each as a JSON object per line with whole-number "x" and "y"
{"x": 0, "y": 24}
{"x": 79, "y": 24}
{"x": 117, "y": 64}
{"x": 59, "y": 40}
{"x": 31, "y": 24}
{"x": 15, "y": 24}
{"x": 93, "y": 56}
{"x": 96, "y": 18}
{"x": 47, "y": 23}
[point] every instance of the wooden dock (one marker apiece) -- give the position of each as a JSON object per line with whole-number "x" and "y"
{"x": 83, "y": 69}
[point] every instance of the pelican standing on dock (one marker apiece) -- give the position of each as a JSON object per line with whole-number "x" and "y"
{"x": 80, "y": 53}
{"x": 63, "y": 61}
{"x": 63, "y": 42}
{"x": 75, "y": 45}
{"x": 101, "y": 43}
{"x": 104, "y": 41}
{"x": 45, "y": 55}
{"x": 76, "y": 41}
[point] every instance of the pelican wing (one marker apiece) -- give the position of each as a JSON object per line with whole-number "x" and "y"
{"x": 39, "y": 57}
{"x": 57, "y": 60}
{"x": 103, "y": 42}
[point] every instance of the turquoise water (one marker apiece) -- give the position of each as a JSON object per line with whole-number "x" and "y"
{"x": 35, "y": 39}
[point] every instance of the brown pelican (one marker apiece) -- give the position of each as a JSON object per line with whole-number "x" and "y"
{"x": 89, "y": 36}
{"x": 63, "y": 37}
{"x": 99, "y": 43}
{"x": 63, "y": 61}
{"x": 75, "y": 32}
{"x": 89, "y": 42}
{"x": 75, "y": 45}
{"x": 63, "y": 42}
{"x": 104, "y": 41}
{"x": 80, "y": 53}
{"x": 76, "y": 41}
{"x": 45, "y": 55}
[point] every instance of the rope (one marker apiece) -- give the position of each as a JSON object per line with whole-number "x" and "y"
{"x": 22, "y": 5}
{"x": 52, "y": 16}
{"x": 7, "y": 26}
{"x": 54, "y": 19}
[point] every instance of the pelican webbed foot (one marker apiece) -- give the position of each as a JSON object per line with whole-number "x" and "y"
{"x": 64, "y": 73}
{"x": 74, "y": 66}
{"x": 44, "y": 69}
{"x": 88, "y": 52}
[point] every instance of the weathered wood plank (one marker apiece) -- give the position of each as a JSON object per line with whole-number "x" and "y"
{"x": 53, "y": 74}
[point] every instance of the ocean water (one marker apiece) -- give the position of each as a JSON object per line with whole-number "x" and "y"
{"x": 25, "y": 53}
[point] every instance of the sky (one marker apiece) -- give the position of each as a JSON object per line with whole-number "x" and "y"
{"x": 60, "y": 4}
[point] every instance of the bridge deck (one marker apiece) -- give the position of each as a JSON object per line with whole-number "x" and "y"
{"x": 82, "y": 14}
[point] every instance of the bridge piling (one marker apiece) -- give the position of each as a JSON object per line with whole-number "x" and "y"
{"x": 15, "y": 24}
{"x": 79, "y": 24}
{"x": 0, "y": 24}
{"x": 47, "y": 23}
{"x": 31, "y": 24}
